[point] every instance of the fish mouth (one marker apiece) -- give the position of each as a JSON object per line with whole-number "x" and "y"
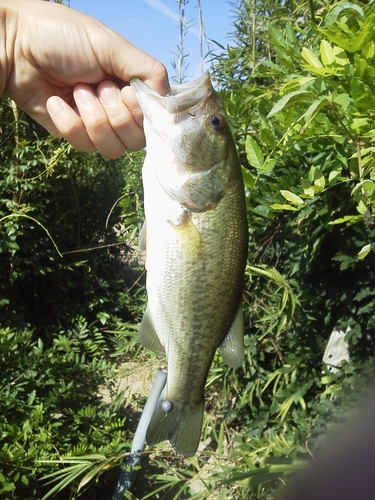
{"x": 182, "y": 97}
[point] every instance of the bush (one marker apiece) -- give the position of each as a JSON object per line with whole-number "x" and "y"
{"x": 51, "y": 403}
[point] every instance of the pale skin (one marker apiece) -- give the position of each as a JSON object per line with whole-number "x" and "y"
{"x": 71, "y": 74}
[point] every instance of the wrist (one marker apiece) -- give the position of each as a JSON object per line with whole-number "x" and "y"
{"x": 8, "y": 30}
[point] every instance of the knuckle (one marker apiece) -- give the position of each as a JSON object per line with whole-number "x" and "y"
{"x": 95, "y": 122}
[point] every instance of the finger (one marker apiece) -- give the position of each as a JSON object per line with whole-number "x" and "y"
{"x": 135, "y": 63}
{"x": 68, "y": 124}
{"x": 121, "y": 119}
{"x": 158, "y": 79}
{"x": 97, "y": 123}
{"x": 131, "y": 102}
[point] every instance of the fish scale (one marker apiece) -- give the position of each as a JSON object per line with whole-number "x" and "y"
{"x": 196, "y": 248}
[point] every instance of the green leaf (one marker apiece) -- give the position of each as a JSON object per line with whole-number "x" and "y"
{"x": 279, "y": 206}
{"x": 285, "y": 407}
{"x": 276, "y": 33}
{"x": 347, "y": 219}
{"x": 361, "y": 207}
{"x": 289, "y": 99}
{"x": 350, "y": 36}
{"x": 367, "y": 186}
{"x": 336, "y": 12}
{"x": 313, "y": 110}
{"x": 254, "y": 153}
{"x": 96, "y": 471}
{"x": 248, "y": 179}
{"x": 369, "y": 51}
{"x": 65, "y": 477}
{"x": 365, "y": 251}
{"x": 268, "y": 473}
{"x": 311, "y": 58}
{"x": 334, "y": 174}
{"x": 298, "y": 83}
{"x": 362, "y": 94}
{"x": 327, "y": 54}
{"x": 269, "y": 165}
{"x": 293, "y": 198}
{"x": 342, "y": 100}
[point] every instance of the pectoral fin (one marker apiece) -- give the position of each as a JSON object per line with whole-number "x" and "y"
{"x": 189, "y": 236}
{"x": 232, "y": 347}
{"x": 148, "y": 336}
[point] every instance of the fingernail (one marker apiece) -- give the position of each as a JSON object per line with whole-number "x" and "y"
{"x": 129, "y": 99}
{"x": 55, "y": 106}
{"x": 109, "y": 95}
{"x": 84, "y": 97}
{"x": 134, "y": 110}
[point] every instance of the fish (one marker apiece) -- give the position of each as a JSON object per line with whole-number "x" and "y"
{"x": 196, "y": 240}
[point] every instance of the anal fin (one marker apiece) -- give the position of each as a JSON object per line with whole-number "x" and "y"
{"x": 142, "y": 238}
{"x": 232, "y": 347}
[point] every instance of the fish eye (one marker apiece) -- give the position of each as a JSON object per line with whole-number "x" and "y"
{"x": 216, "y": 122}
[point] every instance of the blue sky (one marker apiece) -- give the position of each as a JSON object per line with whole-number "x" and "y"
{"x": 152, "y": 25}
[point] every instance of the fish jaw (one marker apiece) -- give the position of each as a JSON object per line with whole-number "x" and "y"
{"x": 178, "y": 124}
{"x": 182, "y": 97}
{"x": 162, "y": 113}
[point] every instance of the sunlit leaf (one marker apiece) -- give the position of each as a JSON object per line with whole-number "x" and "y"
{"x": 311, "y": 58}
{"x": 254, "y": 153}
{"x": 291, "y": 98}
{"x": 365, "y": 250}
{"x": 327, "y": 54}
{"x": 293, "y": 198}
{"x": 280, "y": 206}
{"x": 342, "y": 100}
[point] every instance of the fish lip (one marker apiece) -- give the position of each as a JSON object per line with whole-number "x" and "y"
{"x": 181, "y": 98}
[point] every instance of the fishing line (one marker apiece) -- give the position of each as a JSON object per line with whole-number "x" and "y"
{"x": 203, "y": 37}
{"x": 201, "y": 33}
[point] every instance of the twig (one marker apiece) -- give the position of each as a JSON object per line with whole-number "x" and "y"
{"x": 112, "y": 208}
{"x": 95, "y": 248}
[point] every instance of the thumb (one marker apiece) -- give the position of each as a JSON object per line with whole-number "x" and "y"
{"x": 127, "y": 62}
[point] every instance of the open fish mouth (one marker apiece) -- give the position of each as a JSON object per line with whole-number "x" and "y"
{"x": 182, "y": 97}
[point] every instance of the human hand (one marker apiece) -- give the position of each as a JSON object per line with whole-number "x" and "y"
{"x": 70, "y": 73}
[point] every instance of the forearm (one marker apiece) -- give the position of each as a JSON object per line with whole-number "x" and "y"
{"x": 8, "y": 30}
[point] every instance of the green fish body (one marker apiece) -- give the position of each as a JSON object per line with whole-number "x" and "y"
{"x": 196, "y": 237}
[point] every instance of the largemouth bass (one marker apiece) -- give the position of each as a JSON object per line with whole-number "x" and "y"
{"x": 195, "y": 236}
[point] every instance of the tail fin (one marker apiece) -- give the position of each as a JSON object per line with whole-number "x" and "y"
{"x": 182, "y": 428}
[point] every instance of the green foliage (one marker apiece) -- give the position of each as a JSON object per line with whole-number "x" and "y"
{"x": 59, "y": 226}
{"x": 299, "y": 88}
{"x": 51, "y": 403}
{"x": 64, "y": 248}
